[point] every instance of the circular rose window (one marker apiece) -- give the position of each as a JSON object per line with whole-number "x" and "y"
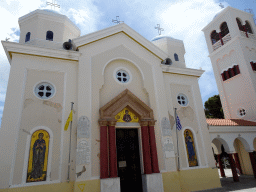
{"x": 44, "y": 91}
{"x": 122, "y": 76}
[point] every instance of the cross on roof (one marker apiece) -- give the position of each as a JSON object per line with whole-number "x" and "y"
{"x": 7, "y": 39}
{"x": 159, "y": 29}
{"x": 222, "y": 6}
{"x": 117, "y": 21}
{"x": 53, "y": 4}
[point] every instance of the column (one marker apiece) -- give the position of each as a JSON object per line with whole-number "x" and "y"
{"x": 112, "y": 149}
{"x": 221, "y": 38}
{"x": 238, "y": 165}
{"x": 145, "y": 147}
{"x": 222, "y": 172}
{"x": 233, "y": 168}
{"x": 253, "y": 163}
{"x": 153, "y": 150}
{"x": 103, "y": 150}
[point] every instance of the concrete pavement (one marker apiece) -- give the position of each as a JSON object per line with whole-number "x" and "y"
{"x": 246, "y": 184}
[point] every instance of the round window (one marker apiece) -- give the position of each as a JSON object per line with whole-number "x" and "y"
{"x": 44, "y": 91}
{"x": 182, "y": 99}
{"x": 241, "y": 112}
{"x": 122, "y": 76}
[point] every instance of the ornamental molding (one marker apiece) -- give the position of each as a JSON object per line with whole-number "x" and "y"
{"x": 231, "y": 129}
{"x": 11, "y": 48}
{"x": 129, "y": 100}
{"x": 120, "y": 28}
{"x": 183, "y": 71}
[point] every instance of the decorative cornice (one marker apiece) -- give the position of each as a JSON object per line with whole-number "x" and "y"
{"x": 231, "y": 129}
{"x": 103, "y": 122}
{"x": 152, "y": 122}
{"x": 183, "y": 71}
{"x": 11, "y": 47}
{"x": 144, "y": 123}
{"x": 112, "y": 123}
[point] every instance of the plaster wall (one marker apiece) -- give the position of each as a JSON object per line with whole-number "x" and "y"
{"x": 39, "y": 24}
{"x": 172, "y": 46}
{"x": 230, "y": 99}
{"x": 191, "y": 116}
{"x": 33, "y": 112}
{"x": 101, "y": 58}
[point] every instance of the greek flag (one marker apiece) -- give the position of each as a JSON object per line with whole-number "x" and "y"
{"x": 178, "y": 125}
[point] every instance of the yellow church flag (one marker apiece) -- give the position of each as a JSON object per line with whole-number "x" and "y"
{"x": 70, "y": 117}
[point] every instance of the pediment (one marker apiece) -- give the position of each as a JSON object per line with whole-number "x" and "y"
{"x": 129, "y": 100}
{"x": 121, "y": 28}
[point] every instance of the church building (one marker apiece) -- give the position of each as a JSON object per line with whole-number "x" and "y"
{"x": 127, "y": 94}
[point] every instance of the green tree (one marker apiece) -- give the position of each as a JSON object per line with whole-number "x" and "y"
{"x": 213, "y": 108}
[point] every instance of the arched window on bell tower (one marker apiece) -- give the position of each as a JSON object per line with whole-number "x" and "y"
{"x": 49, "y": 35}
{"x": 239, "y": 23}
{"x": 248, "y": 27}
{"x": 27, "y": 36}
{"x": 224, "y": 29}
{"x": 214, "y": 37}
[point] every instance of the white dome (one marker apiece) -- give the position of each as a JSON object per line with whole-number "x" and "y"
{"x": 161, "y": 37}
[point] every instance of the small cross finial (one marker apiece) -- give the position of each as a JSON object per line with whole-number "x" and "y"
{"x": 222, "y": 6}
{"x": 159, "y": 29}
{"x": 53, "y": 4}
{"x": 7, "y": 39}
{"x": 117, "y": 21}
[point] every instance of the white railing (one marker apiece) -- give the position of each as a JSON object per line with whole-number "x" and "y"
{"x": 218, "y": 44}
{"x": 226, "y": 38}
{"x": 251, "y": 36}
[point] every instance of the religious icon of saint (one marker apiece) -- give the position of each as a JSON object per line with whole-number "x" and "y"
{"x": 127, "y": 117}
{"x": 190, "y": 147}
{"x": 39, "y": 148}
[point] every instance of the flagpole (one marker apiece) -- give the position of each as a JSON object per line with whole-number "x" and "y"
{"x": 178, "y": 156}
{"x": 72, "y": 103}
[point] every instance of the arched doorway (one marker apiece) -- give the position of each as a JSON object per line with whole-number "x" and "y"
{"x": 243, "y": 155}
{"x": 220, "y": 147}
{"x": 114, "y": 162}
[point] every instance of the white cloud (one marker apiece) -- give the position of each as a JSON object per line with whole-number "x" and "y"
{"x": 184, "y": 20}
{"x": 86, "y": 17}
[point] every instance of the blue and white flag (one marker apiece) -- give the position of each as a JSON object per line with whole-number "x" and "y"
{"x": 178, "y": 125}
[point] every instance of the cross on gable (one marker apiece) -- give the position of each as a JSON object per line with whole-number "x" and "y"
{"x": 117, "y": 21}
{"x": 159, "y": 29}
{"x": 53, "y": 4}
{"x": 222, "y": 6}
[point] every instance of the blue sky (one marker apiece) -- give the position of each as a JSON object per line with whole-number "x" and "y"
{"x": 181, "y": 19}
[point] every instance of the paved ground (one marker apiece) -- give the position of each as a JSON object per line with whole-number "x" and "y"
{"x": 246, "y": 184}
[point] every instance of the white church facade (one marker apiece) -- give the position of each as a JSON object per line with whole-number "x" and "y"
{"x": 125, "y": 90}
{"x": 231, "y": 42}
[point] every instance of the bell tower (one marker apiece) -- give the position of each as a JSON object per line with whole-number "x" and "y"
{"x": 231, "y": 42}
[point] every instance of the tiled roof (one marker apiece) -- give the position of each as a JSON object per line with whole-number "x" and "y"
{"x": 230, "y": 122}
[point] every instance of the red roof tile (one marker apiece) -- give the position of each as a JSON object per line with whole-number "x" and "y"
{"x": 230, "y": 122}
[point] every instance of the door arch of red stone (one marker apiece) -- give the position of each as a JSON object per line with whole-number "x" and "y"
{"x": 107, "y": 122}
